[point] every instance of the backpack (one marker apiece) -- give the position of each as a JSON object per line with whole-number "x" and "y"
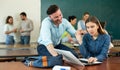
{"x": 43, "y": 61}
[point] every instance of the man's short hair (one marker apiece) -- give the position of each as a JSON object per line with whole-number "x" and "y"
{"x": 23, "y": 14}
{"x": 52, "y": 9}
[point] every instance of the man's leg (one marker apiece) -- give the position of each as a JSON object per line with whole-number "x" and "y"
{"x": 22, "y": 39}
{"x": 42, "y": 50}
{"x": 63, "y": 47}
{"x": 26, "y": 40}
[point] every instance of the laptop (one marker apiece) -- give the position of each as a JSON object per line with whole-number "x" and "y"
{"x": 68, "y": 56}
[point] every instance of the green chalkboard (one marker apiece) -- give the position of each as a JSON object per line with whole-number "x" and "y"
{"x": 105, "y": 10}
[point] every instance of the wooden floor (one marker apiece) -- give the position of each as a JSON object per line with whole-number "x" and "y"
{"x": 112, "y": 63}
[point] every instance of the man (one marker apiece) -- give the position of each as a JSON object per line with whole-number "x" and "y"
{"x": 51, "y": 31}
{"x": 25, "y": 28}
{"x": 81, "y": 23}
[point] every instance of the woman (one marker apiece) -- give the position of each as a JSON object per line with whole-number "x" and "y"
{"x": 95, "y": 43}
{"x": 9, "y": 30}
{"x": 66, "y": 36}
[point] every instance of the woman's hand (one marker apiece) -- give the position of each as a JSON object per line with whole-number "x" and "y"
{"x": 15, "y": 30}
{"x": 92, "y": 59}
{"x": 84, "y": 32}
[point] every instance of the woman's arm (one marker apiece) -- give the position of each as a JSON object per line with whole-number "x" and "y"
{"x": 82, "y": 45}
{"x": 103, "y": 53}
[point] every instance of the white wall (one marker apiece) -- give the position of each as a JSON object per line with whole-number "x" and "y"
{"x": 14, "y": 8}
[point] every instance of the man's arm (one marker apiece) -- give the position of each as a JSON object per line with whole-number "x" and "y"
{"x": 45, "y": 34}
{"x": 70, "y": 29}
{"x": 30, "y": 27}
{"x": 50, "y": 48}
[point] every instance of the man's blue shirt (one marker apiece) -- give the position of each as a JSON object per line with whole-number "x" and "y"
{"x": 51, "y": 34}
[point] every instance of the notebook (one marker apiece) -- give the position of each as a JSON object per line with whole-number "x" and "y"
{"x": 68, "y": 56}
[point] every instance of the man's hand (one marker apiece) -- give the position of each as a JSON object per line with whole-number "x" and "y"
{"x": 78, "y": 36}
{"x": 21, "y": 31}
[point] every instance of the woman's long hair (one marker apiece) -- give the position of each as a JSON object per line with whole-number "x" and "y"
{"x": 96, "y": 21}
{"x": 7, "y": 19}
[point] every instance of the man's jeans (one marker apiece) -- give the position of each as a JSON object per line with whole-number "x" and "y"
{"x": 25, "y": 39}
{"x": 42, "y": 50}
